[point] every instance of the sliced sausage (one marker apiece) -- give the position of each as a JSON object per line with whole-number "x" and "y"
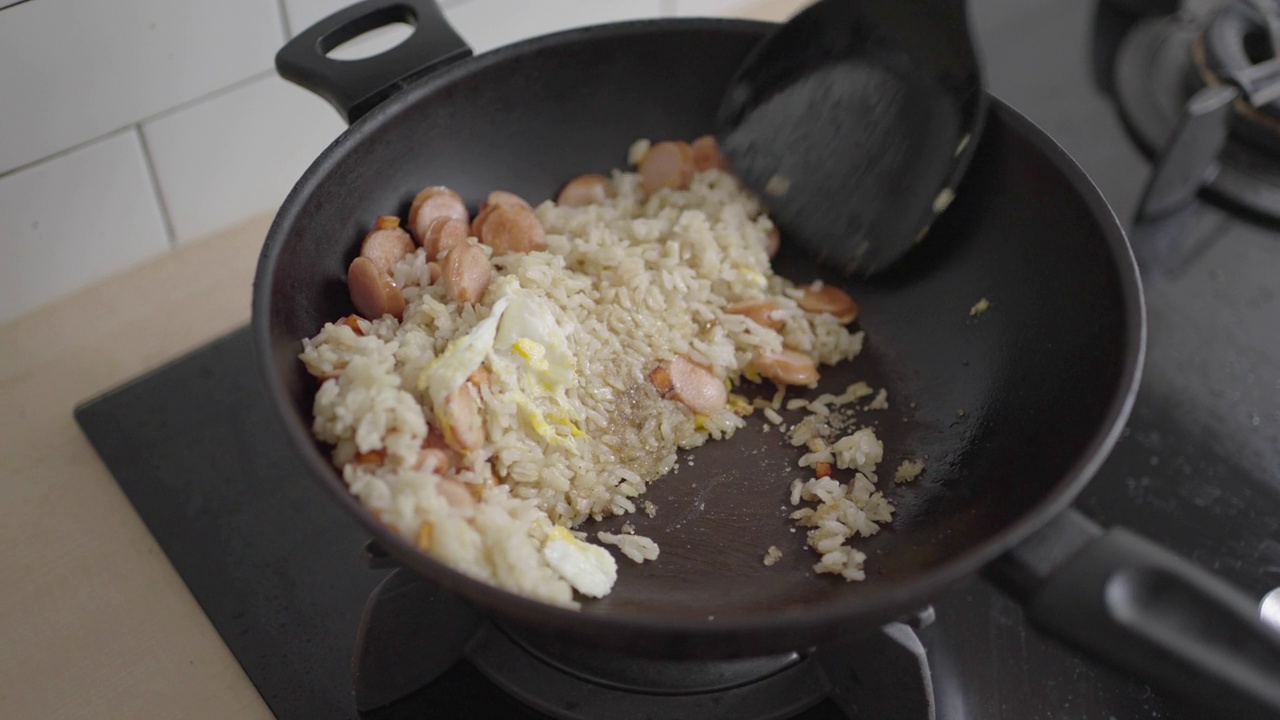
{"x": 435, "y": 441}
{"x": 707, "y": 155}
{"x": 482, "y": 217}
{"x": 787, "y": 367}
{"x": 433, "y": 460}
{"x": 696, "y": 387}
{"x": 442, "y": 235}
{"x": 510, "y": 229}
{"x": 466, "y": 273}
{"x": 821, "y": 298}
{"x": 760, "y": 311}
{"x": 584, "y": 190}
{"x": 431, "y": 203}
{"x": 372, "y": 290}
{"x": 464, "y": 427}
{"x": 455, "y": 493}
{"x": 386, "y": 244}
{"x": 502, "y": 197}
{"x": 668, "y": 164}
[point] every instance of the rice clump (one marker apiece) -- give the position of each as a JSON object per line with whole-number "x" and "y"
{"x": 843, "y": 511}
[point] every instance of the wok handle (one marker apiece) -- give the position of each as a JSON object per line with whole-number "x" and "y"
{"x": 1147, "y": 611}
{"x": 354, "y": 87}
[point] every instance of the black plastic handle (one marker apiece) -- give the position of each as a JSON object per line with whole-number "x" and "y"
{"x": 1148, "y": 612}
{"x": 354, "y": 87}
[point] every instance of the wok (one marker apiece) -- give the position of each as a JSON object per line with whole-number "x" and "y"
{"x": 1014, "y": 409}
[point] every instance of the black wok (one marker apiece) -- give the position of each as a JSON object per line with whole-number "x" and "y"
{"x": 1014, "y": 409}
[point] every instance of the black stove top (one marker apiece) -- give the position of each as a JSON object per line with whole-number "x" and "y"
{"x": 278, "y": 569}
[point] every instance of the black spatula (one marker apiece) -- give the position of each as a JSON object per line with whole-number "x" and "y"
{"x": 855, "y": 121}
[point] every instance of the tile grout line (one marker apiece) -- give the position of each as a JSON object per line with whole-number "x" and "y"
{"x": 238, "y": 84}
{"x": 225, "y": 90}
{"x": 63, "y": 152}
{"x": 186, "y": 104}
{"x": 284, "y": 20}
{"x": 154, "y": 177}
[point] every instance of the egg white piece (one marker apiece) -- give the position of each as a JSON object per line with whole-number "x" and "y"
{"x": 590, "y": 569}
{"x": 452, "y": 368}
{"x": 529, "y": 328}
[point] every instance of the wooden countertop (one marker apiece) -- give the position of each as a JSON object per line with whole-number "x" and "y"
{"x": 94, "y": 621}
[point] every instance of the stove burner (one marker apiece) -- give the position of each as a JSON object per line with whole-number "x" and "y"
{"x": 412, "y": 633}
{"x": 1163, "y": 62}
{"x": 1238, "y": 38}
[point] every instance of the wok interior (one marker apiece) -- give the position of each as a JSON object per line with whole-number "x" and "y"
{"x": 1000, "y": 406}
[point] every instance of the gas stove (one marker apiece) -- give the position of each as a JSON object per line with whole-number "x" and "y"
{"x": 1154, "y": 98}
{"x": 1210, "y": 69}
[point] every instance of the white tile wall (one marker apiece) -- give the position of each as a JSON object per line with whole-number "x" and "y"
{"x": 301, "y": 14}
{"x": 487, "y": 24}
{"x": 128, "y": 125}
{"x": 74, "y": 219}
{"x": 237, "y": 154}
{"x": 73, "y": 70}
{"x": 304, "y": 13}
{"x": 704, "y": 8}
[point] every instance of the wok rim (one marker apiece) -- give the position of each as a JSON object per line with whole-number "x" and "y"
{"x": 772, "y": 630}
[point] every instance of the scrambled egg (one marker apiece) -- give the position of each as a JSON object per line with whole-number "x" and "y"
{"x": 531, "y": 345}
{"x": 590, "y": 569}
{"x": 752, "y": 276}
{"x": 529, "y": 329}
{"x": 520, "y": 340}
{"x": 449, "y": 371}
